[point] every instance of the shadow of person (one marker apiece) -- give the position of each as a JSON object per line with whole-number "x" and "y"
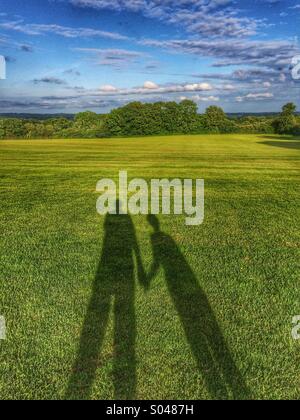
{"x": 222, "y": 378}
{"x": 114, "y": 287}
{"x": 284, "y": 144}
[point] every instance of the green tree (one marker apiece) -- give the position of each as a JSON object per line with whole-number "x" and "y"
{"x": 286, "y": 122}
{"x": 216, "y": 121}
{"x": 88, "y": 124}
{"x": 289, "y": 109}
{"x": 137, "y": 118}
{"x": 189, "y": 116}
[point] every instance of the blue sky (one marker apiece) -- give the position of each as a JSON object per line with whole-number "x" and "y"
{"x": 73, "y": 55}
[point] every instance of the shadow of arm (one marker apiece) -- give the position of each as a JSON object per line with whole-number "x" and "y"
{"x": 152, "y": 273}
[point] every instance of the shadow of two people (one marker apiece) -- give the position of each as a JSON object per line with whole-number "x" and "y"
{"x": 114, "y": 285}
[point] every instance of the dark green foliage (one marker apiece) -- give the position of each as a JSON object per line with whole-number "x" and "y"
{"x": 296, "y": 130}
{"x": 150, "y": 119}
{"x": 286, "y": 122}
{"x": 88, "y": 121}
{"x": 137, "y": 119}
{"x": 255, "y": 125}
{"x": 289, "y": 108}
{"x": 12, "y": 128}
{"x": 216, "y": 121}
{"x": 85, "y": 125}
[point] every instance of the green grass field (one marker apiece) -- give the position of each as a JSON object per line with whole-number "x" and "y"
{"x": 216, "y": 320}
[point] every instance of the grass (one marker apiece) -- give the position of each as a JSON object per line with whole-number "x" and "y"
{"x": 216, "y": 320}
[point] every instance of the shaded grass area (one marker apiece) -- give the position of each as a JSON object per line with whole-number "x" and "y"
{"x": 215, "y": 319}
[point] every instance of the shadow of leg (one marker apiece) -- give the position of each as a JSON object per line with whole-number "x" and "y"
{"x": 203, "y": 333}
{"x": 124, "y": 342}
{"x": 198, "y": 323}
{"x": 115, "y": 278}
{"x": 92, "y": 336}
{"x": 228, "y": 368}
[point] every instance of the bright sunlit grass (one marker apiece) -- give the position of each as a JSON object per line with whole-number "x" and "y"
{"x": 234, "y": 279}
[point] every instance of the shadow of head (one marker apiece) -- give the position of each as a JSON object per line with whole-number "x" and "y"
{"x": 154, "y": 222}
{"x": 118, "y": 206}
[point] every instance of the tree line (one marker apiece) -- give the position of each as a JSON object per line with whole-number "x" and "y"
{"x": 146, "y": 119}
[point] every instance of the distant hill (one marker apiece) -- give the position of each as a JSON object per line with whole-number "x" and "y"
{"x": 71, "y": 116}
{"x": 36, "y": 116}
{"x": 254, "y": 114}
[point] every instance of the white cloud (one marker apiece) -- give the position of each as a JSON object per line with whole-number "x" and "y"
{"x": 113, "y": 57}
{"x": 282, "y": 77}
{"x": 208, "y": 18}
{"x": 228, "y": 87}
{"x": 255, "y": 97}
{"x": 108, "y": 88}
{"x": 65, "y": 31}
{"x": 197, "y": 86}
{"x": 198, "y": 98}
{"x": 150, "y": 85}
{"x": 268, "y": 54}
{"x": 151, "y": 88}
